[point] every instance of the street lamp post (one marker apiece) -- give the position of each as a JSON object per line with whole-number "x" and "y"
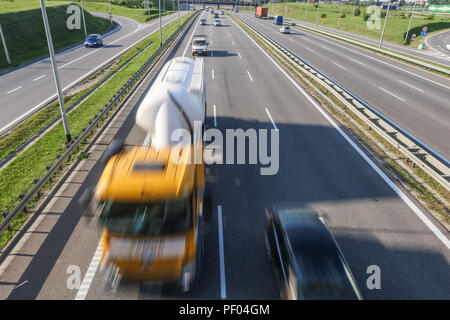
{"x": 384, "y": 26}
{"x": 8, "y": 59}
{"x": 179, "y": 23}
{"x": 160, "y": 23}
{"x": 306, "y": 8}
{"x": 84, "y": 21}
{"x": 340, "y": 13}
{"x": 55, "y": 72}
{"x": 317, "y": 16}
{"x": 285, "y": 9}
{"x": 410, "y": 19}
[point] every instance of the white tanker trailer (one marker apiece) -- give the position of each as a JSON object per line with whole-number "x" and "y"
{"x": 175, "y": 100}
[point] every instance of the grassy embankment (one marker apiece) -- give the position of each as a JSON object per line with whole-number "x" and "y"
{"x": 24, "y": 31}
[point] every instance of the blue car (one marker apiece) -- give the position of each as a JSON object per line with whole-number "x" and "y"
{"x": 93, "y": 40}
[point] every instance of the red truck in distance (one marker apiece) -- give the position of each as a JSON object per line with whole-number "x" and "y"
{"x": 261, "y": 12}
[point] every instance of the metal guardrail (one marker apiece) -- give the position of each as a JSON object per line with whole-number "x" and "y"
{"x": 444, "y": 71}
{"x": 33, "y": 189}
{"x": 421, "y": 155}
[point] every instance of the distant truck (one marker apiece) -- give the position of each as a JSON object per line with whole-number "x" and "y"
{"x": 236, "y": 9}
{"x": 261, "y": 12}
{"x": 278, "y": 20}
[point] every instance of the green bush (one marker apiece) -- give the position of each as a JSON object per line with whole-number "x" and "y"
{"x": 383, "y": 14}
{"x": 357, "y": 12}
{"x": 343, "y": 15}
{"x": 366, "y": 16}
{"x": 430, "y": 17}
{"x": 323, "y": 15}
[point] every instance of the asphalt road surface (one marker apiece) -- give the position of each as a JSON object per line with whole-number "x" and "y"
{"x": 438, "y": 43}
{"x": 29, "y": 88}
{"x": 431, "y": 55}
{"x": 416, "y": 100}
{"x": 373, "y": 220}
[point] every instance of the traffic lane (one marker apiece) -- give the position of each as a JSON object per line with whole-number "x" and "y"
{"x": 440, "y": 41}
{"x": 386, "y": 44}
{"x": 209, "y": 282}
{"x": 37, "y": 90}
{"x": 344, "y": 189}
{"x": 71, "y": 239}
{"x": 405, "y": 100}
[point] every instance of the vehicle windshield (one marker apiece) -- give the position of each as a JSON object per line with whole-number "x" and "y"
{"x": 91, "y": 37}
{"x": 199, "y": 42}
{"x": 324, "y": 276}
{"x": 150, "y": 219}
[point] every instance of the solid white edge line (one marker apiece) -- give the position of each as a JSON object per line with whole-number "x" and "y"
{"x": 239, "y": 55}
{"x": 190, "y": 38}
{"x": 395, "y": 96}
{"x": 212, "y": 73}
{"x": 270, "y": 117}
{"x": 223, "y": 289}
{"x": 390, "y": 183}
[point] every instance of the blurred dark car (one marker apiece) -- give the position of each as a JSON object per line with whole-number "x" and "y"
{"x": 93, "y": 40}
{"x": 307, "y": 259}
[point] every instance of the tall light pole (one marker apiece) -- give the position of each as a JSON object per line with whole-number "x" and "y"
{"x": 160, "y": 23}
{"x": 110, "y": 12}
{"x": 340, "y": 13}
{"x": 306, "y": 8}
{"x": 84, "y": 21}
{"x": 317, "y": 16}
{"x": 285, "y": 9}
{"x": 410, "y": 19}
{"x": 179, "y": 22}
{"x": 384, "y": 26}
{"x": 8, "y": 59}
{"x": 55, "y": 72}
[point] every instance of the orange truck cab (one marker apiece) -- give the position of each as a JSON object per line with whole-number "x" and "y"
{"x": 151, "y": 210}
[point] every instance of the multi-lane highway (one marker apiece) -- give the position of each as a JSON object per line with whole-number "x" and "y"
{"x": 27, "y": 89}
{"x": 373, "y": 219}
{"x": 414, "y": 99}
{"x": 441, "y": 56}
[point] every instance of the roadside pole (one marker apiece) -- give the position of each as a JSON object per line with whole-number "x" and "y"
{"x": 8, "y": 59}
{"x": 110, "y": 12}
{"x": 179, "y": 23}
{"x": 285, "y": 9}
{"x": 55, "y": 72}
{"x": 306, "y": 8}
{"x": 340, "y": 13}
{"x": 84, "y": 21}
{"x": 410, "y": 20}
{"x": 160, "y": 23}
{"x": 317, "y": 16}
{"x": 384, "y": 26}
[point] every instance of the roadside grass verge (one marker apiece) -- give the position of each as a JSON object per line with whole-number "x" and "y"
{"x": 25, "y": 34}
{"x": 18, "y": 174}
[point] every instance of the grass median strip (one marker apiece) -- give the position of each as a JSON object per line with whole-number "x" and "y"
{"x": 20, "y": 172}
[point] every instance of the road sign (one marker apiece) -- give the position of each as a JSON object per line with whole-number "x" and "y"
{"x": 425, "y": 29}
{"x": 413, "y": 37}
{"x": 421, "y": 46}
{"x": 423, "y": 33}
